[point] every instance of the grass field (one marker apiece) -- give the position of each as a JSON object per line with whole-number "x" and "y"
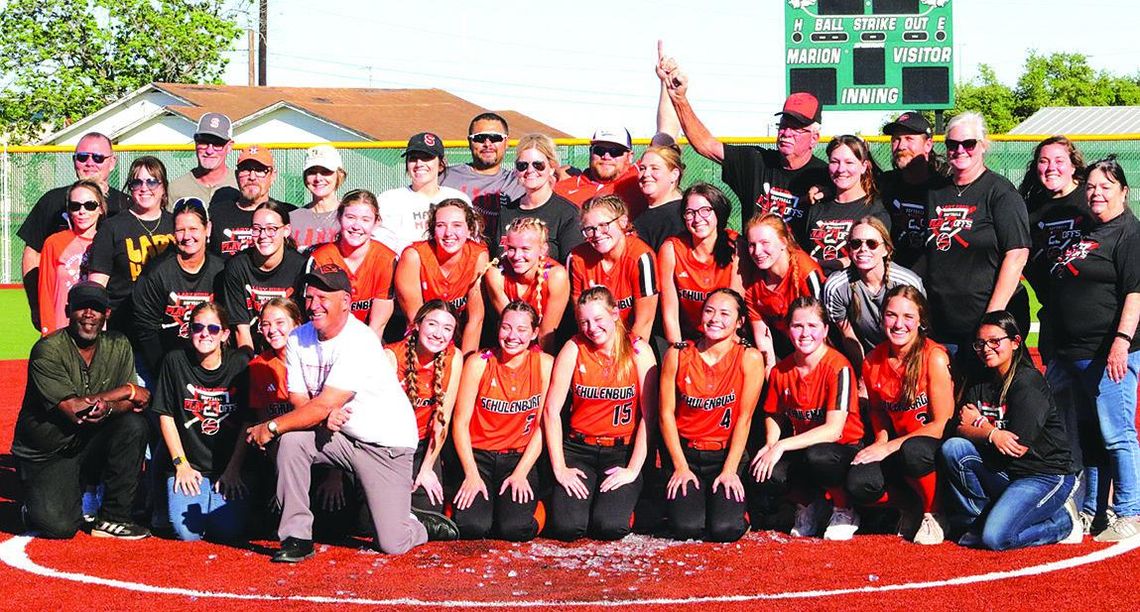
{"x": 16, "y": 333}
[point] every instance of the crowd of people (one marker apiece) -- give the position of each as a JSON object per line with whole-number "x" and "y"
{"x": 498, "y": 353}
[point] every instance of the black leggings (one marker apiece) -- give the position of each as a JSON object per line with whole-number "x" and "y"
{"x": 819, "y": 465}
{"x": 420, "y": 497}
{"x": 499, "y": 515}
{"x": 702, "y": 514}
{"x": 867, "y": 482}
{"x": 604, "y": 516}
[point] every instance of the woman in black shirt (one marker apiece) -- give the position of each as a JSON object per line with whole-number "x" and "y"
{"x": 851, "y": 169}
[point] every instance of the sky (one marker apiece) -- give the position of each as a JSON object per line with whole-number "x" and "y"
{"x": 580, "y": 65}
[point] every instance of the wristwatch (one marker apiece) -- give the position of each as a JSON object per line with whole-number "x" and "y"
{"x": 179, "y": 460}
{"x": 272, "y": 427}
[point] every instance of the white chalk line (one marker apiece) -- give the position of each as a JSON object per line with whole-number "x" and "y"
{"x": 14, "y": 553}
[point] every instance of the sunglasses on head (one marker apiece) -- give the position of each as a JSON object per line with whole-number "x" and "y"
{"x": 614, "y": 151}
{"x": 136, "y": 183}
{"x": 969, "y": 144}
{"x": 857, "y": 243}
{"x": 90, "y": 205}
{"x": 539, "y": 165}
{"x": 96, "y": 157}
{"x": 213, "y": 328}
{"x": 483, "y": 137}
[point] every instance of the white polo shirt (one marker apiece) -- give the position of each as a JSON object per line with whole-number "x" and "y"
{"x": 354, "y": 361}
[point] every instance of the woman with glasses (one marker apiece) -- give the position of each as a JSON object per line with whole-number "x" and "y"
{"x": 614, "y": 258}
{"x": 830, "y": 222}
{"x": 369, "y": 264}
{"x": 64, "y": 257}
{"x": 201, "y": 404}
{"x": 525, "y": 273}
{"x": 697, "y": 262}
{"x": 317, "y": 222}
{"x": 1009, "y": 468}
{"x": 978, "y": 242}
{"x": 174, "y": 284}
{"x": 125, "y": 243}
{"x": 272, "y": 268}
{"x": 404, "y": 210}
{"x": 854, "y": 297}
{"x": 1095, "y": 305}
{"x": 659, "y": 177}
{"x": 536, "y": 161}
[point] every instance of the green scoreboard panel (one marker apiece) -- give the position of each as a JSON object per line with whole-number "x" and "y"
{"x": 871, "y": 54}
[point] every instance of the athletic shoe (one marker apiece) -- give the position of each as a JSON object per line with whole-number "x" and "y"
{"x": 1077, "y": 533}
{"x": 439, "y": 527}
{"x": 970, "y": 539}
{"x": 809, "y": 518}
{"x": 843, "y": 524}
{"x": 121, "y": 531}
{"x": 930, "y": 531}
{"x": 1123, "y": 528}
{"x": 910, "y": 520}
{"x": 293, "y": 550}
{"x": 1086, "y": 519}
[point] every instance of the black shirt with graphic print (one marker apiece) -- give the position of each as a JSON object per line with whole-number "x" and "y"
{"x": 245, "y": 287}
{"x": 1091, "y": 279}
{"x": 906, "y": 204}
{"x": 830, "y": 224}
{"x": 1054, "y": 224}
{"x": 49, "y": 215}
{"x": 231, "y": 227}
{"x": 121, "y": 249}
{"x": 759, "y": 179}
{"x": 970, "y": 229}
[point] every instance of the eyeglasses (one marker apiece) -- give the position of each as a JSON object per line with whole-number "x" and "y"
{"x": 268, "y": 230}
{"x": 539, "y": 166}
{"x": 483, "y": 137}
{"x": 261, "y": 172}
{"x": 137, "y": 183}
{"x": 614, "y": 151}
{"x": 969, "y": 144}
{"x": 90, "y": 205}
{"x": 95, "y": 157}
{"x": 588, "y": 231}
{"x": 703, "y": 212}
{"x": 993, "y": 343}
{"x": 796, "y": 130}
{"x": 857, "y": 243}
{"x": 213, "y": 329}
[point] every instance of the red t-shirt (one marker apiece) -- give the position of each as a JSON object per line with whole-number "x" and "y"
{"x": 804, "y": 278}
{"x": 63, "y": 263}
{"x": 454, "y": 287}
{"x": 602, "y": 402}
{"x": 633, "y": 276}
{"x": 708, "y": 396}
{"x": 695, "y": 280}
{"x": 508, "y": 404}
{"x": 805, "y": 400}
{"x": 580, "y": 188}
{"x": 373, "y": 279}
{"x": 424, "y": 403}
{"x": 885, "y": 389}
{"x": 268, "y": 397}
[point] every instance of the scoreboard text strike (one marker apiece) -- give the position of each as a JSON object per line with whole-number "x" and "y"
{"x": 871, "y": 54}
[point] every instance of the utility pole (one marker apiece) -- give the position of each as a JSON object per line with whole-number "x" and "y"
{"x": 252, "y": 58}
{"x": 263, "y": 43}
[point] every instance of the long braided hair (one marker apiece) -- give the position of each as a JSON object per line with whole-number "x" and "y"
{"x": 885, "y": 237}
{"x": 411, "y": 374}
{"x": 539, "y": 227}
{"x": 911, "y": 354}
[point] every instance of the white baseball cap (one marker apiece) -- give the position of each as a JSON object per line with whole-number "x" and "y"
{"x": 325, "y": 156}
{"x": 614, "y": 135}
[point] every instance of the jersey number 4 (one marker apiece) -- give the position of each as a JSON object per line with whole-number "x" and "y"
{"x": 726, "y": 421}
{"x": 623, "y": 414}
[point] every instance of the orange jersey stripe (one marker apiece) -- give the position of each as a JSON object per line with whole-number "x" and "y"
{"x": 373, "y": 279}
{"x": 708, "y": 396}
{"x": 805, "y": 400}
{"x": 508, "y": 403}
{"x": 885, "y": 388}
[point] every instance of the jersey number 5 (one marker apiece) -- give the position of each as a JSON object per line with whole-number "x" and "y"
{"x": 623, "y": 414}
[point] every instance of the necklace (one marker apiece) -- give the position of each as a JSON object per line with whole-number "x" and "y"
{"x": 149, "y": 231}
{"x": 964, "y": 188}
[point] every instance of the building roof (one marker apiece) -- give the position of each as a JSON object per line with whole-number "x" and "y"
{"x": 375, "y": 114}
{"x": 1082, "y": 120}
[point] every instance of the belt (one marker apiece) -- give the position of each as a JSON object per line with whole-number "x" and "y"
{"x": 502, "y": 451}
{"x": 706, "y": 445}
{"x": 599, "y": 440}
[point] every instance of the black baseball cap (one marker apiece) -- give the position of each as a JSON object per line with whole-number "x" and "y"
{"x": 910, "y": 122}
{"x": 88, "y": 294}
{"x": 425, "y": 142}
{"x": 328, "y": 277}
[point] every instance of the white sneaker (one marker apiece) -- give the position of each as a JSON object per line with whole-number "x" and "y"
{"x": 809, "y": 518}
{"x": 1087, "y": 522}
{"x": 1077, "y": 533}
{"x": 843, "y": 524}
{"x": 930, "y": 531}
{"x": 1123, "y": 528}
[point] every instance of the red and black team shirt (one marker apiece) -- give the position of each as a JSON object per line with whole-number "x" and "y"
{"x": 758, "y": 179}
{"x": 603, "y": 403}
{"x": 906, "y": 204}
{"x": 508, "y": 404}
{"x": 232, "y": 227}
{"x": 245, "y": 287}
{"x": 830, "y": 224}
{"x": 805, "y": 400}
{"x": 888, "y": 410}
{"x": 708, "y": 396}
{"x": 163, "y": 299}
{"x": 1054, "y": 225}
{"x": 123, "y": 246}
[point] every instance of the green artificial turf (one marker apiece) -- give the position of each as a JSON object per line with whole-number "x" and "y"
{"x": 16, "y": 332}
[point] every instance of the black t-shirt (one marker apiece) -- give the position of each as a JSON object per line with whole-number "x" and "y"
{"x": 122, "y": 247}
{"x": 231, "y": 227}
{"x": 163, "y": 299}
{"x": 562, "y": 222}
{"x": 830, "y": 224}
{"x": 49, "y": 215}
{"x": 1091, "y": 279}
{"x": 969, "y": 235}
{"x": 245, "y": 287}
{"x": 208, "y": 407}
{"x": 654, "y": 225}
{"x": 906, "y": 204}
{"x": 1029, "y": 412}
{"x": 1054, "y": 224}
{"x": 759, "y": 179}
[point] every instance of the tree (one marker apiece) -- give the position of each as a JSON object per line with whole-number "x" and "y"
{"x": 64, "y": 59}
{"x": 990, "y": 97}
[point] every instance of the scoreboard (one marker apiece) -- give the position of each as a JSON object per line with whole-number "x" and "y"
{"x": 871, "y": 54}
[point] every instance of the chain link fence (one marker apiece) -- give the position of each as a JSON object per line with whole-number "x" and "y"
{"x": 27, "y": 172}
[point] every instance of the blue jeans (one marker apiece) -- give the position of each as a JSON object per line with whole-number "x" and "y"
{"x": 1115, "y": 412}
{"x": 207, "y": 514}
{"x": 1012, "y": 512}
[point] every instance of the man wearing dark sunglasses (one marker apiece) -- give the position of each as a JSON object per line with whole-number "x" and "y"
{"x": 904, "y": 189}
{"x": 212, "y": 179}
{"x": 93, "y": 160}
{"x": 611, "y": 171}
{"x": 484, "y": 179}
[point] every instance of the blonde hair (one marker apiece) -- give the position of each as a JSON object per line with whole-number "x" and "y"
{"x": 541, "y": 143}
{"x": 538, "y": 226}
{"x": 672, "y": 157}
{"x": 623, "y": 345}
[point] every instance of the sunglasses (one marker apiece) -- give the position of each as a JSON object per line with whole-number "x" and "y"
{"x": 188, "y": 202}
{"x": 969, "y": 144}
{"x": 95, "y": 157}
{"x": 856, "y": 243}
{"x": 615, "y": 151}
{"x": 213, "y": 329}
{"x": 993, "y": 343}
{"x": 256, "y": 171}
{"x": 137, "y": 183}
{"x": 538, "y": 166}
{"x": 90, "y": 205}
{"x": 483, "y": 137}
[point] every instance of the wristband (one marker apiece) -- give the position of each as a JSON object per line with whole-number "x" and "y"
{"x": 990, "y": 436}
{"x": 1121, "y": 334}
{"x": 978, "y": 421}
{"x": 131, "y": 397}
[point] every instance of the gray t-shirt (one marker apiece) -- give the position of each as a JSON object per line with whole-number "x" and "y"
{"x": 186, "y": 186}
{"x": 313, "y": 228}
{"x": 488, "y": 192}
{"x": 837, "y": 295}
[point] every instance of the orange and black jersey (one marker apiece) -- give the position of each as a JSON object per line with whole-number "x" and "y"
{"x": 633, "y": 276}
{"x": 708, "y": 396}
{"x": 884, "y": 384}
{"x": 372, "y": 280}
{"x": 268, "y": 396}
{"x": 804, "y": 278}
{"x": 425, "y": 402}
{"x": 805, "y": 400}
{"x": 603, "y": 402}
{"x": 454, "y": 287}
{"x": 695, "y": 280}
{"x": 508, "y": 403}
{"x": 536, "y": 294}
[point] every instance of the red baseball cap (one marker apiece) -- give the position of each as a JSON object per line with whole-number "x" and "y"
{"x": 802, "y": 107}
